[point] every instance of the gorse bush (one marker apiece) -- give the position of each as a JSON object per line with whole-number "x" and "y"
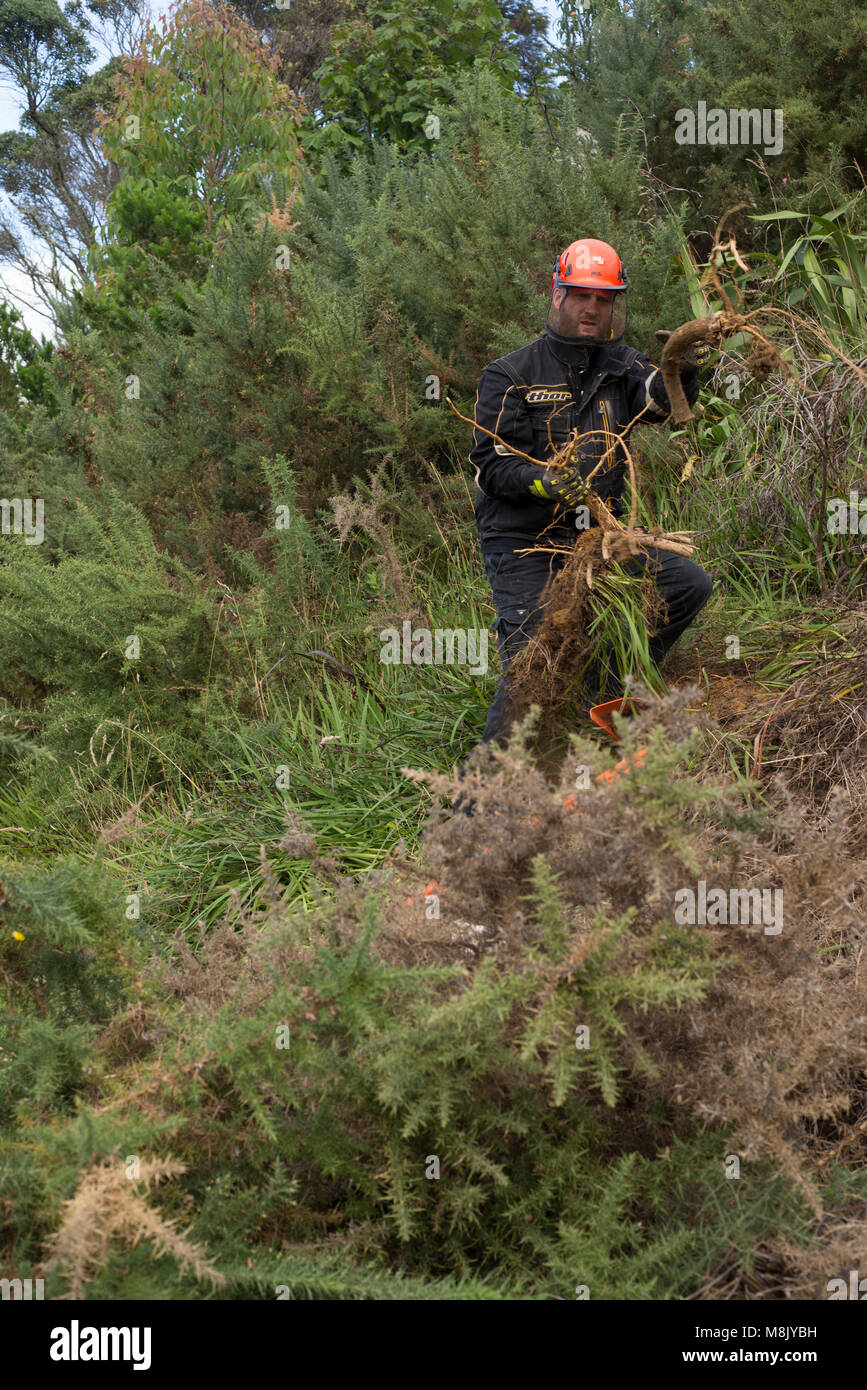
{"x": 643, "y": 65}
{"x": 107, "y": 644}
{"x": 487, "y": 1100}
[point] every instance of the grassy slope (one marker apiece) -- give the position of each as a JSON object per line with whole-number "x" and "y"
{"x": 194, "y": 849}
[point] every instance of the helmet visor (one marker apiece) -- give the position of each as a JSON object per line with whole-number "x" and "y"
{"x": 571, "y": 320}
{"x": 618, "y": 317}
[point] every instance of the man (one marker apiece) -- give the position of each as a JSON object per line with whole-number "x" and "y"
{"x": 577, "y": 375}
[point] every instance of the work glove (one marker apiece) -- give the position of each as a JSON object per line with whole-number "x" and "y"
{"x": 696, "y": 355}
{"x": 566, "y": 487}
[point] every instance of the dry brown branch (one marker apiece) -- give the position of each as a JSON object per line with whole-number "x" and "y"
{"x": 369, "y": 516}
{"x": 548, "y": 669}
{"x": 764, "y": 355}
{"x": 109, "y": 1207}
{"x": 564, "y": 457}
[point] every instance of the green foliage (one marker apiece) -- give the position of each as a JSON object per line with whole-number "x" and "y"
{"x": 196, "y": 158}
{"x": 209, "y": 129}
{"x": 388, "y": 67}
{"x": 98, "y": 647}
{"x": 58, "y": 938}
{"x": 828, "y": 262}
{"x": 24, "y": 377}
{"x": 782, "y": 455}
{"x": 640, "y": 65}
{"x": 749, "y": 55}
{"x": 435, "y": 1127}
{"x": 333, "y": 338}
{"x": 620, "y": 625}
{"x": 34, "y": 29}
{"x": 414, "y": 1106}
{"x": 148, "y": 219}
{"x": 47, "y": 1066}
{"x": 347, "y": 348}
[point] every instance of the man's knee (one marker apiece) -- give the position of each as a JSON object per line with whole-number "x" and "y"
{"x": 514, "y": 628}
{"x": 702, "y": 587}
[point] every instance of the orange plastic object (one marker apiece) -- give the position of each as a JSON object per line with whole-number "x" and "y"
{"x": 601, "y": 714}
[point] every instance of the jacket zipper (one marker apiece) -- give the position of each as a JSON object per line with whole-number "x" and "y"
{"x": 609, "y": 440}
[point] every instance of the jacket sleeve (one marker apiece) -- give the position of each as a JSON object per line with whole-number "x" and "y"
{"x": 500, "y": 408}
{"x": 646, "y": 389}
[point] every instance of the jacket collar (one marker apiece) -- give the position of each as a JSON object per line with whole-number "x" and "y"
{"x": 602, "y": 358}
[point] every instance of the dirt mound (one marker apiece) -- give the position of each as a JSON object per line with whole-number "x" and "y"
{"x": 726, "y": 695}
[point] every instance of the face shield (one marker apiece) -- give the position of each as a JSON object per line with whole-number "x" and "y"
{"x": 586, "y": 320}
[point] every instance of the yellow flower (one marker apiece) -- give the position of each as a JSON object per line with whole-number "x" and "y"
{"x": 18, "y": 936}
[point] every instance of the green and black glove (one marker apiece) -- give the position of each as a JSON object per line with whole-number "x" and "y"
{"x": 567, "y": 487}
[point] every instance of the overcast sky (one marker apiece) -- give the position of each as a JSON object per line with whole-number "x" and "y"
{"x": 15, "y": 285}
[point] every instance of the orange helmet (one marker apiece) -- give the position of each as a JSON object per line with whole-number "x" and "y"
{"x": 592, "y": 265}
{"x": 589, "y": 265}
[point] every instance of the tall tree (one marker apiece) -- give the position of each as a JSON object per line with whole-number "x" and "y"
{"x": 199, "y": 129}
{"x": 52, "y": 168}
{"x": 202, "y": 108}
{"x": 300, "y": 34}
{"x": 388, "y": 65}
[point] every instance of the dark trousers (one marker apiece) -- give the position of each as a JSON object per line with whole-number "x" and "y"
{"x": 517, "y": 582}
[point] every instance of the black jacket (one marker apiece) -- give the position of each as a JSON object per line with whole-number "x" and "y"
{"x": 533, "y": 398}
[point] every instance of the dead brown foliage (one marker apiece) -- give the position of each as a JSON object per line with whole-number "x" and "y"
{"x": 369, "y": 515}
{"x": 776, "y": 1050}
{"x": 109, "y": 1207}
{"x": 779, "y": 1046}
{"x": 811, "y": 737}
